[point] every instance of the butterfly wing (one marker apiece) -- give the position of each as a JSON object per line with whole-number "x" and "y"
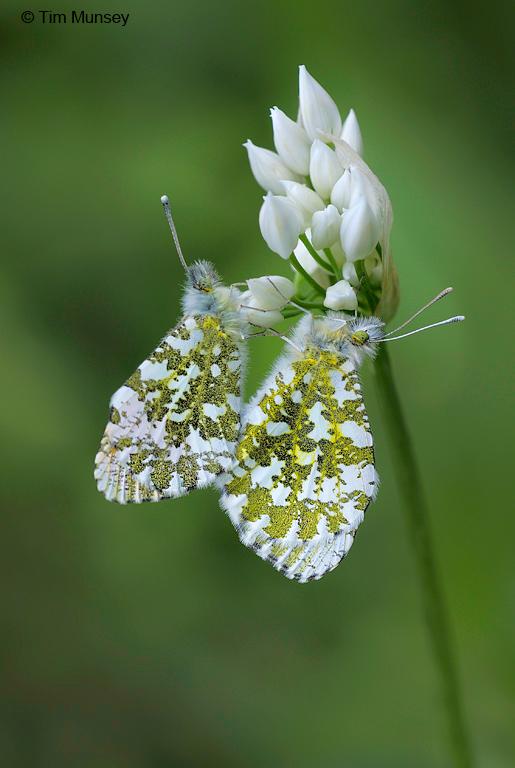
{"x": 174, "y": 423}
{"x": 305, "y": 466}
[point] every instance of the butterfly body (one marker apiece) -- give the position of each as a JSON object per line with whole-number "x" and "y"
{"x": 305, "y": 472}
{"x": 175, "y": 422}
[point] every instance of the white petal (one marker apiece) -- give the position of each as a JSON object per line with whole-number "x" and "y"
{"x": 362, "y": 186}
{"x": 349, "y": 273}
{"x": 324, "y": 168}
{"x": 318, "y": 110}
{"x": 272, "y": 291}
{"x": 280, "y": 223}
{"x": 365, "y": 183}
{"x": 341, "y": 295}
{"x": 268, "y": 168}
{"x": 351, "y": 132}
{"x": 255, "y": 315}
{"x": 325, "y": 227}
{"x": 291, "y": 141}
{"x": 306, "y": 199}
{"x": 359, "y": 232}
{"x": 341, "y": 193}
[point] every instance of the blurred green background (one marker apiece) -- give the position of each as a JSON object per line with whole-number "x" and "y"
{"x": 148, "y": 636}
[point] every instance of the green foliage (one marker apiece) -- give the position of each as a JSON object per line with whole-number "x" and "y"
{"x": 124, "y": 643}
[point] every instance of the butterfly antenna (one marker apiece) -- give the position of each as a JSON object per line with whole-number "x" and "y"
{"x": 449, "y": 321}
{"x": 168, "y": 213}
{"x": 441, "y": 295}
{"x": 287, "y": 300}
{"x": 287, "y": 339}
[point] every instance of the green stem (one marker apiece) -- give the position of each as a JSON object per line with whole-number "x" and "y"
{"x": 337, "y": 271}
{"x": 323, "y": 263}
{"x": 288, "y": 314}
{"x": 367, "y": 288}
{"x": 311, "y": 280}
{"x": 308, "y": 304}
{"x": 418, "y": 522}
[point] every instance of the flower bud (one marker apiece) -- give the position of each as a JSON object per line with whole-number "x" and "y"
{"x": 341, "y": 193}
{"x": 255, "y": 315}
{"x": 341, "y": 295}
{"x": 280, "y": 223}
{"x": 311, "y": 266}
{"x": 349, "y": 273}
{"x": 324, "y": 168}
{"x": 351, "y": 132}
{"x": 318, "y": 110}
{"x": 359, "y": 232}
{"x": 268, "y": 168}
{"x": 271, "y": 292}
{"x": 350, "y": 186}
{"x": 325, "y": 227}
{"x": 291, "y": 141}
{"x": 306, "y": 199}
{"x": 389, "y": 300}
{"x": 362, "y": 186}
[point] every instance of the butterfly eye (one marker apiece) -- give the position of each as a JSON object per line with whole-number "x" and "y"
{"x": 359, "y": 338}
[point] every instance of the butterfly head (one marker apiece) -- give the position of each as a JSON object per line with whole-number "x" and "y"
{"x": 202, "y": 277}
{"x": 353, "y": 337}
{"x": 205, "y": 294}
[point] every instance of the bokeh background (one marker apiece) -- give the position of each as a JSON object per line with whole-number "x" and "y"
{"x": 149, "y": 637}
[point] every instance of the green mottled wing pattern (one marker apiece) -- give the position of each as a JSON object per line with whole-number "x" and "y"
{"x": 305, "y": 465}
{"x": 174, "y": 423}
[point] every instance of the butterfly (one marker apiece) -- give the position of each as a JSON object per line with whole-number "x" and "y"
{"x": 305, "y": 470}
{"x": 173, "y": 426}
{"x": 296, "y": 469}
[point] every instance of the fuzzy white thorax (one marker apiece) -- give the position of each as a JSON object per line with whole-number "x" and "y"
{"x": 204, "y": 294}
{"x": 351, "y": 337}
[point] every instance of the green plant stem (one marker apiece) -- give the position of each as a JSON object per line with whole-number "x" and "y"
{"x": 367, "y": 288}
{"x": 288, "y": 315}
{"x": 308, "y": 304}
{"x": 330, "y": 258}
{"x": 298, "y": 266}
{"x": 418, "y": 522}
{"x": 323, "y": 263}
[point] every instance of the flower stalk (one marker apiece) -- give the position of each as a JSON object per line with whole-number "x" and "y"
{"x": 332, "y": 261}
{"x": 418, "y": 523}
{"x": 300, "y": 269}
{"x": 323, "y": 263}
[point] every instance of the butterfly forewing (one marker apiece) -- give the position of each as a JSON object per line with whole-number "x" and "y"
{"x": 305, "y": 465}
{"x": 174, "y": 424}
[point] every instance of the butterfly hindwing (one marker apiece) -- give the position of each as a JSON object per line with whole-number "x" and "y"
{"x": 305, "y": 465}
{"x": 174, "y": 424}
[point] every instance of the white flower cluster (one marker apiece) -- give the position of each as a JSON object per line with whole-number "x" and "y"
{"x": 324, "y": 209}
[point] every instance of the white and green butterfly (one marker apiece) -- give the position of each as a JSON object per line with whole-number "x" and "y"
{"x": 175, "y": 423}
{"x": 305, "y": 470}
